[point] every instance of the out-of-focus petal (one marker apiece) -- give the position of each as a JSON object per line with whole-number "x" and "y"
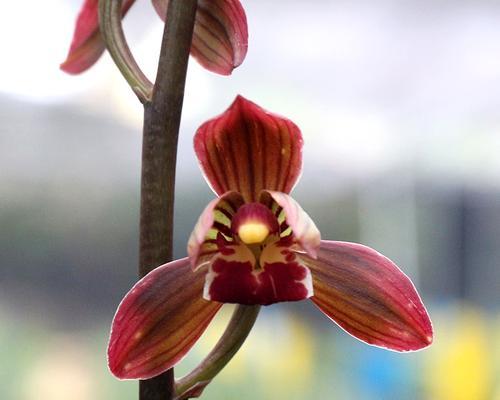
{"x": 158, "y": 321}
{"x": 213, "y": 222}
{"x": 247, "y": 149}
{"x": 220, "y": 37}
{"x": 304, "y": 230}
{"x": 368, "y": 296}
{"x": 281, "y": 276}
{"x": 87, "y": 45}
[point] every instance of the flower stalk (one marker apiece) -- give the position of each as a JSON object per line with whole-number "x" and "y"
{"x": 110, "y": 22}
{"x": 239, "y": 327}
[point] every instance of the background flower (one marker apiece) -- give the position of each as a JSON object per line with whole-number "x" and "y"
{"x": 220, "y": 37}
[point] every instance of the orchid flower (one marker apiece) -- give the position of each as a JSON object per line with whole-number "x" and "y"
{"x": 254, "y": 244}
{"x": 220, "y": 36}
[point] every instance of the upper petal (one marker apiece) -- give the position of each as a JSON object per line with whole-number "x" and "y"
{"x": 220, "y": 37}
{"x": 247, "y": 149}
{"x": 368, "y": 296}
{"x": 87, "y": 45}
{"x": 158, "y": 321}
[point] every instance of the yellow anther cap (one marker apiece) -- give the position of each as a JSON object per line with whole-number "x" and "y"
{"x": 253, "y": 232}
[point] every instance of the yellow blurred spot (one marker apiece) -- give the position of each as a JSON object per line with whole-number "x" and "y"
{"x": 253, "y": 232}
{"x": 287, "y": 369}
{"x": 279, "y": 355}
{"x": 459, "y": 365}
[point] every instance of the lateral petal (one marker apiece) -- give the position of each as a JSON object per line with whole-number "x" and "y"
{"x": 369, "y": 297}
{"x": 248, "y": 149}
{"x": 214, "y": 221}
{"x": 220, "y": 36}
{"x": 303, "y": 228}
{"x": 87, "y": 45}
{"x": 158, "y": 321}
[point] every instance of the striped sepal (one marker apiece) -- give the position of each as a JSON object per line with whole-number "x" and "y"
{"x": 158, "y": 321}
{"x": 247, "y": 149}
{"x": 368, "y": 296}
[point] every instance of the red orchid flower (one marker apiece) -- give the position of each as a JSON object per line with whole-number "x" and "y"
{"x": 220, "y": 37}
{"x": 255, "y": 245}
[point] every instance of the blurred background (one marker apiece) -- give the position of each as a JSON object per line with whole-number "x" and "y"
{"x": 398, "y": 102}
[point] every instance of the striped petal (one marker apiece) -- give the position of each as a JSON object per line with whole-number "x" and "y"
{"x": 303, "y": 229}
{"x": 368, "y": 296}
{"x": 220, "y": 37}
{"x": 247, "y": 149}
{"x": 158, "y": 321}
{"x": 87, "y": 45}
{"x": 213, "y": 228}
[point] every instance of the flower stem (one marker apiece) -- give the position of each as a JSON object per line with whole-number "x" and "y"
{"x": 162, "y": 117}
{"x": 234, "y": 336}
{"x": 110, "y": 22}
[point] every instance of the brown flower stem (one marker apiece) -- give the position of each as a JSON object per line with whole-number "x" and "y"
{"x": 110, "y": 23}
{"x": 234, "y": 336}
{"x": 162, "y": 117}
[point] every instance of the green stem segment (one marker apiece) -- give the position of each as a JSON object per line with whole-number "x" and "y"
{"x": 239, "y": 327}
{"x": 110, "y": 22}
